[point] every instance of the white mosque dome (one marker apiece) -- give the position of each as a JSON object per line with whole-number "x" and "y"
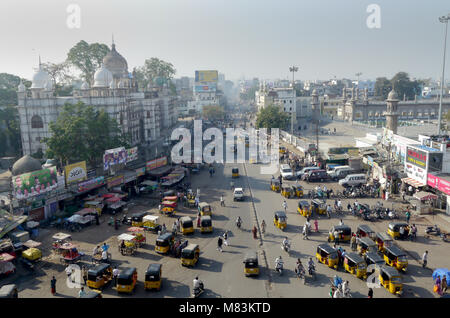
{"x": 102, "y": 77}
{"x": 40, "y": 78}
{"x": 48, "y": 85}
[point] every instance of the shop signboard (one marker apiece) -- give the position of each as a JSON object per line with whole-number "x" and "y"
{"x": 75, "y": 172}
{"x": 416, "y": 157}
{"x": 140, "y": 172}
{"x": 114, "y": 181}
{"x": 114, "y": 156}
{"x": 91, "y": 184}
{"x": 439, "y": 183}
{"x": 156, "y": 163}
{"x": 35, "y": 183}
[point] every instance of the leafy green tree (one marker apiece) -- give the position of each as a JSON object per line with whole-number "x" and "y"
{"x": 154, "y": 71}
{"x": 382, "y": 87}
{"x": 87, "y": 58}
{"x": 10, "y": 141}
{"x": 404, "y": 86}
{"x": 213, "y": 112}
{"x": 272, "y": 117}
{"x": 83, "y": 133}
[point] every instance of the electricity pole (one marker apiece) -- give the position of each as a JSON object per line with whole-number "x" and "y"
{"x": 443, "y": 19}
{"x": 293, "y": 69}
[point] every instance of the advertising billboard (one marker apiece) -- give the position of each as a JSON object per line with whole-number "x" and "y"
{"x": 416, "y": 157}
{"x": 156, "y": 163}
{"x": 439, "y": 183}
{"x": 91, "y": 184}
{"x": 113, "y": 157}
{"x": 205, "y": 88}
{"x": 114, "y": 181}
{"x": 35, "y": 183}
{"x": 75, "y": 172}
{"x": 132, "y": 154}
{"x": 206, "y": 76}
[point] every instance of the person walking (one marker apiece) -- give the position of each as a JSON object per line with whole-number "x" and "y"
{"x": 284, "y": 205}
{"x": 424, "y": 259}
{"x": 263, "y": 226}
{"x": 353, "y": 242}
{"x": 222, "y": 201}
{"x": 444, "y": 284}
{"x": 53, "y": 285}
{"x": 225, "y": 238}
{"x": 219, "y": 243}
{"x": 254, "y": 232}
{"x": 81, "y": 293}
{"x": 408, "y": 216}
{"x": 316, "y": 225}
{"x": 85, "y": 274}
{"x": 115, "y": 275}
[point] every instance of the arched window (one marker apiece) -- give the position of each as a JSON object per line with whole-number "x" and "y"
{"x": 36, "y": 122}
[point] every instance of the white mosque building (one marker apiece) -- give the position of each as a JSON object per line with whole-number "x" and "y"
{"x": 143, "y": 114}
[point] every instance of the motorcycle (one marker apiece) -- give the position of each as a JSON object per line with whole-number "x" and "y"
{"x": 286, "y": 247}
{"x": 301, "y": 274}
{"x": 279, "y": 268}
{"x": 126, "y": 219}
{"x": 238, "y": 224}
{"x": 198, "y": 291}
{"x": 433, "y": 230}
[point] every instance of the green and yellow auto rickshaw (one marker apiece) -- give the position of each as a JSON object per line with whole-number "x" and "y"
{"x": 190, "y": 255}
{"x": 206, "y": 224}
{"x": 365, "y": 245}
{"x": 164, "y": 243}
{"x": 355, "y": 264}
{"x": 298, "y": 190}
{"x": 394, "y": 230}
{"x": 186, "y": 225}
{"x": 235, "y": 172}
{"x": 304, "y": 208}
{"x": 383, "y": 241}
{"x": 251, "y": 266}
{"x": 280, "y": 220}
{"x": 363, "y": 230}
{"x": 391, "y": 280}
{"x": 275, "y": 185}
{"x": 137, "y": 219}
{"x": 344, "y": 233}
{"x": 318, "y": 206}
{"x": 327, "y": 255}
{"x": 286, "y": 191}
{"x": 153, "y": 277}
{"x": 204, "y": 208}
{"x": 99, "y": 276}
{"x": 395, "y": 257}
{"x": 127, "y": 279}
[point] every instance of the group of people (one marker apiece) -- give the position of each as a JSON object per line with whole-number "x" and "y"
{"x": 440, "y": 285}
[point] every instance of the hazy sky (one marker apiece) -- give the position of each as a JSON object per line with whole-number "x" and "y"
{"x": 260, "y": 38}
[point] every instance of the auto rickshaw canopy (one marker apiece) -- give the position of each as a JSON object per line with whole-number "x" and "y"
{"x": 374, "y": 258}
{"x": 8, "y": 291}
{"x": 186, "y": 221}
{"x": 318, "y": 202}
{"x": 275, "y": 182}
{"x": 189, "y": 250}
{"x": 344, "y": 229}
{"x": 251, "y": 258}
{"x": 364, "y": 228}
{"x": 367, "y": 242}
{"x": 303, "y": 204}
{"x": 394, "y": 251}
{"x": 151, "y": 218}
{"x": 99, "y": 269}
{"x": 138, "y": 216}
{"x": 327, "y": 249}
{"x": 204, "y": 205}
{"x": 390, "y": 272}
{"x": 153, "y": 272}
{"x": 280, "y": 215}
{"x": 383, "y": 236}
{"x": 205, "y": 220}
{"x": 166, "y": 237}
{"x": 395, "y": 226}
{"x": 127, "y": 273}
{"x": 355, "y": 258}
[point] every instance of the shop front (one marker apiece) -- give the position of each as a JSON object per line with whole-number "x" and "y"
{"x": 441, "y": 182}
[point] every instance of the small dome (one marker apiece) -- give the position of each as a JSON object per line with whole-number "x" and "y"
{"x": 116, "y": 63}
{"x": 314, "y": 92}
{"x": 21, "y": 88}
{"x": 24, "y": 165}
{"x": 392, "y": 95}
{"x": 85, "y": 86}
{"x": 102, "y": 77}
{"x": 40, "y": 78}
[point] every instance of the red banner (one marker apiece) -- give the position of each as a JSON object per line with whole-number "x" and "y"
{"x": 439, "y": 183}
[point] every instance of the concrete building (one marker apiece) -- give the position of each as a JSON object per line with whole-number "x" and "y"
{"x": 141, "y": 114}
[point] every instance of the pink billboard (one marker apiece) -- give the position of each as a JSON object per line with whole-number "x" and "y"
{"x": 439, "y": 183}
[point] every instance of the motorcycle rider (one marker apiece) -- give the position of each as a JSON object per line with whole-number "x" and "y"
{"x": 279, "y": 264}
{"x": 197, "y": 284}
{"x": 311, "y": 266}
{"x": 238, "y": 222}
{"x": 286, "y": 244}
{"x": 299, "y": 269}
{"x": 305, "y": 231}
{"x": 284, "y": 205}
{"x": 329, "y": 210}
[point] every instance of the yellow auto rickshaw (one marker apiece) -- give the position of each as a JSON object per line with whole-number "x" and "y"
{"x": 363, "y": 230}
{"x": 137, "y": 219}
{"x": 344, "y": 233}
{"x": 327, "y": 255}
{"x": 318, "y": 206}
{"x": 275, "y": 185}
{"x": 127, "y": 279}
{"x": 235, "y": 173}
{"x": 394, "y": 230}
{"x": 153, "y": 277}
{"x": 280, "y": 220}
{"x": 395, "y": 257}
{"x": 282, "y": 150}
{"x": 128, "y": 244}
{"x": 391, "y": 280}
{"x": 206, "y": 224}
{"x": 304, "y": 208}
{"x": 99, "y": 276}
{"x": 286, "y": 191}
{"x": 204, "y": 208}
{"x": 164, "y": 243}
{"x": 366, "y": 245}
{"x": 383, "y": 241}
{"x": 251, "y": 267}
{"x": 355, "y": 264}
{"x": 97, "y": 205}
{"x": 190, "y": 255}
{"x": 186, "y": 225}
{"x": 298, "y": 190}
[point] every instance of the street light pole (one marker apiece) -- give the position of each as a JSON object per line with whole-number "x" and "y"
{"x": 293, "y": 69}
{"x": 443, "y": 19}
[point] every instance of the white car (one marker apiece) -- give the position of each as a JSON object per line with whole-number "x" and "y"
{"x": 238, "y": 194}
{"x": 286, "y": 172}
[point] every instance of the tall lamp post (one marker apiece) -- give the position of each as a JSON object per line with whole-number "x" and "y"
{"x": 293, "y": 69}
{"x": 443, "y": 19}
{"x": 358, "y": 75}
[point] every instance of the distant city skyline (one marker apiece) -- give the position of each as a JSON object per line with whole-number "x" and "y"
{"x": 250, "y": 38}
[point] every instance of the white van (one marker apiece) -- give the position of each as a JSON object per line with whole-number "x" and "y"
{"x": 353, "y": 180}
{"x": 286, "y": 172}
{"x": 332, "y": 171}
{"x": 340, "y": 172}
{"x": 304, "y": 171}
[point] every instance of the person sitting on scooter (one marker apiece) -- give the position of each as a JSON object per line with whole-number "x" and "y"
{"x": 238, "y": 221}
{"x": 286, "y": 243}
{"x": 299, "y": 267}
{"x": 197, "y": 284}
{"x": 311, "y": 266}
{"x": 279, "y": 263}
